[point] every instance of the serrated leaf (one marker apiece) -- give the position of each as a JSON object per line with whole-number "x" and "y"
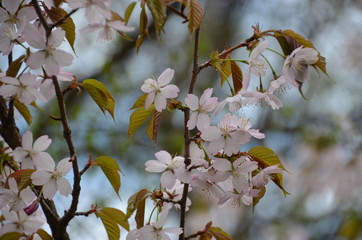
{"x": 23, "y": 110}
{"x": 111, "y": 169}
{"x": 22, "y": 177}
{"x": 110, "y": 224}
{"x": 67, "y": 24}
{"x": 140, "y": 213}
{"x": 265, "y": 158}
{"x": 100, "y": 95}
{"x": 143, "y": 28}
{"x": 11, "y": 236}
{"x": 158, "y": 11}
{"x": 219, "y": 234}
{"x": 138, "y": 117}
{"x": 119, "y": 217}
{"x": 134, "y": 201}
{"x": 260, "y": 195}
{"x": 195, "y": 14}
{"x": 154, "y": 125}
{"x": 15, "y": 66}
{"x": 128, "y": 11}
{"x": 44, "y": 235}
{"x": 237, "y": 76}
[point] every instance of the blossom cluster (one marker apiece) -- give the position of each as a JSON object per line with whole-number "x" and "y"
{"x": 19, "y": 202}
{"x": 217, "y": 166}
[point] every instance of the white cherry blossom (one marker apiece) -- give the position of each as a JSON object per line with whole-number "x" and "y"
{"x": 25, "y": 88}
{"x": 171, "y": 168}
{"x": 51, "y": 177}
{"x": 95, "y": 10}
{"x": 202, "y": 108}
{"x": 158, "y": 91}
{"x": 263, "y": 177}
{"x": 29, "y": 152}
{"x": 295, "y": 67}
{"x": 257, "y": 66}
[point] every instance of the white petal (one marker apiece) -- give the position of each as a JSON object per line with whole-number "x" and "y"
{"x": 120, "y": 26}
{"x": 63, "y": 186}
{"x": 63, "y": 58}
{"x": 11, "y": 5}
{"x": 56, "y": 37}
{"x": 164, "y": 156}
{"x": 44, "y": 161}
{"x": 170, "y": 91}
{"x": 191, "y": 123}
{"x": 222, "y": 165}
{"x": 20, "y": 154}
{"x": 34, "y": 37}
{"x": 168, "y": 179}
{"x": 51, "y": 66}
{"x": 155, "y": 166}
{"x": 64, "y": 166}
{"x": 27, "y": 195}
{"x": 36, "y": 60}
{"x": 50, "y": 189}
{"x": 9, "y": 80}
{"x": 211, "y": 133}
{"x": 149, "y": 100}
{"x": 8, "y": 90}
{"x": 216, "y": 145}
{"x": 192, "y": 101}
{"x": 149, "y": 85}
{"x": 160, "y": 102}
{"x": 258, "y": 49}
{"x": 165, "y": 77}
{"x": 41, "y": 177}
{"x": 246, "y": 78}
{"x": 27, "y": 140}
{"x": 206, "y": 95}
{"x": 42, "y": 143}
{"x": 203, "y": 122}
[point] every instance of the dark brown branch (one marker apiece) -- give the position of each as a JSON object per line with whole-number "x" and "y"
{"x": 41, "y": 17}
{"x": 195, "y": 72}
{"x": 61, "y": 21}
{"x": 179, "y": 13}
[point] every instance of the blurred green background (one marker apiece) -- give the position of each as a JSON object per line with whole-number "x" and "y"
{"x": 318, "y": 140}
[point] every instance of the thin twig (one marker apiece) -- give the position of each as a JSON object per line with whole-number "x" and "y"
{"x": 181, "y": 14}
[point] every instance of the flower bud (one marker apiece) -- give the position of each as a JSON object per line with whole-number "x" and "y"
{"x": 31, "y": 208}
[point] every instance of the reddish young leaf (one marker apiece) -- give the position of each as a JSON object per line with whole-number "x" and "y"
{"x": 237, "y": 76}
{"x": 15, "y": 66}
{"x": 135, "y": 200}
{"x": 140, "y": 213}
{"x": 195, "y": 14}
{"x": 154, "y": 125}
{"x": 158, "y": 11}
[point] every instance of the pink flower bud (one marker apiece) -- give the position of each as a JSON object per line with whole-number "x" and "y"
{"x": 31, "y": 208}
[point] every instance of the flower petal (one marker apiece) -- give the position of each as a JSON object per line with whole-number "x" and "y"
{"x": 168, "y": 179}
{"x": 192, "y": 101}
{"x": 165, "y": 77}
{"x": 63, "y": 186}
{"x": 50, "y": 189}
{"x": 64, "y": 166}
{"x": 170, "y": 91}
{"x": 42, "y": 143}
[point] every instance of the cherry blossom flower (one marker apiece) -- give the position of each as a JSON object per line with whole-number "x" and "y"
{"x": 257, "y": 66}
{"x": 235, "y": 103}
{"x": 158, "y": 91}
{"x": 47, "y": 87}
{"x": 175, "y": 194}
{"x": 29, "y": 152}
{"x": 14, "y": 199}
{"x": 205, "y": 183}
{"x": 8, "y": 37}
{"x": 51, "y": 177}
{"x": 49, "y": 56}
{"x": 226, "y": 135}
{"x": 10, "y": 13}
{"x": 25, "y": 88}
{"x": 95, "y": 10}
{"x": 21, "y": 222}
{"x": 295, "y": 67}
{"x": 171, "y": 168}
{"x": 202, "y": 108}
{"x": 263, "y": 177}
{"x": 108, "y": 30}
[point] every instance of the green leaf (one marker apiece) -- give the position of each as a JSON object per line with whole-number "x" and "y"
{"x": 134, "y": 201}
{"x": 110, "y": 224}
{"x": 111, "y": 169}
{"x": 67, "y": 24}
{"x": 100, "y": 95}
{"x": 11, "y": 236}
{"x": 138, "y": 117}
{"x": 237, "y": 76}
{"x": 15, "y": 66}
{"x": 44, "y": 235}
{"x": 195, "y": 14}
{"x": 265, "y": 158}
{"x": 154, "y": 125}
{"x": 140, "y": 102}
{"x": 128, "y": 12}
{"x": 158, "y": 11}
{"x": 219, "y": 234}
{"x": 118, "y": 216}
{"x": 23, "y": 110}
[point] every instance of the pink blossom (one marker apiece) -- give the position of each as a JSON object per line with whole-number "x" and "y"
{"x": 51, "y": 177}
{"x": 10, "y": 13}
{"x": 295, "y": 67}
{"x": 267, "y": 97}
{"x": 8, "y": 37}
{"x": 95, "y": 10}
{"x": 202, "y": 108}
{"x": 28, "y": 153}
{"x": 25, "y": 88}
{"x": 49, "y": 56}
{"x": 47, "y": 87}
{"x": 257, "y": 66}
{"x": 226, "y": 136}
{"x": 158, "y": 91}
{"x": 234, "y": 102}
{"x": 263, "y": 177}
{"x": 171, "y": 168}
{"x": 108, "y": 30}
{"x": 21, "y": 222}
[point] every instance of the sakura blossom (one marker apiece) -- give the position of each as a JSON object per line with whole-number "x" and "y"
{"x": 235, "y": 103}
{"x": 25, "y": 88}
{"x": 51, "y": 177}
{"x": 175, "y": 194}
{"x": 8, "y": 37}
{"x": 226, "y": 135}
{"x": 108, "y": 30}
{"x": 14, "y": 199}
{"x": 295, "y": 67}
{"x": 49, "y": 57}
{"x": 28, "y": 153}
{"x": 172, "y": 168}
{"x": 257, "y": 66}
{"x": 202, "y": 108}
{"x": 263, "y": 177}
{"x": 47, "y": 87}
{"x": 11, "y": 15}
{"x": 95, "y": 10}
{"x": 158, "y": 91}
